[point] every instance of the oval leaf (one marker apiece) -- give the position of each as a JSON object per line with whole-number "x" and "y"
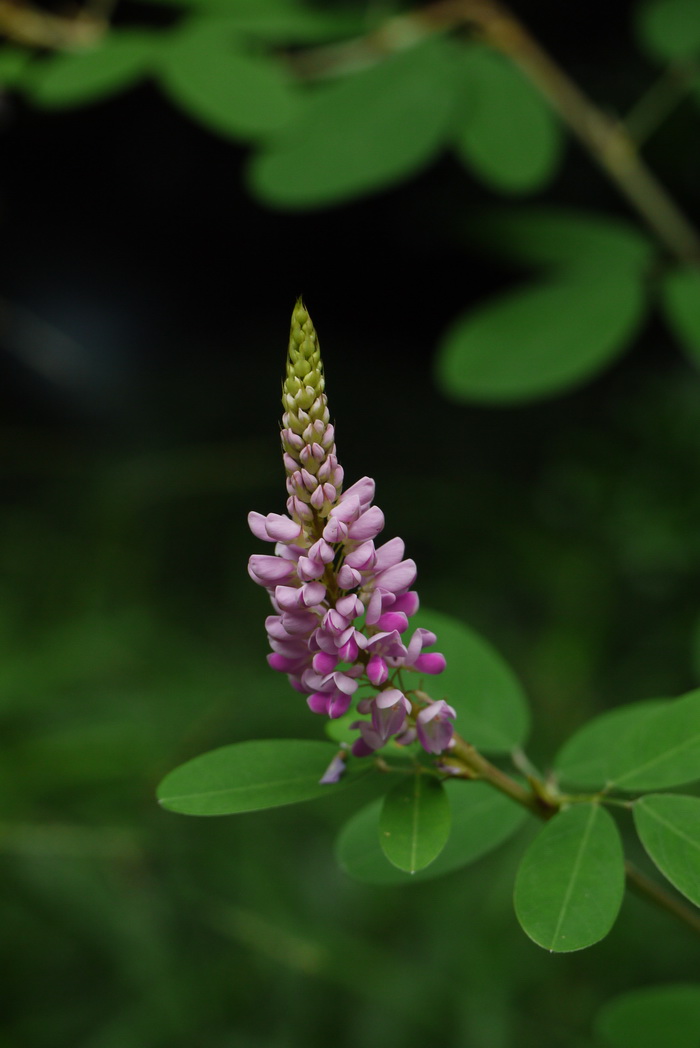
{"x": 482, "y": 819}
{"x": 360, "y": 132}
{"x": 571, "y": 881}
{"x": 669, "y": 30}
{"x": 414, "y": 824}
{"x": 206, "y": 70}
{"x": 541, "y": 340}
{"x": 77, "y": 77}
{"x": 561, "y": 237}
{"x": 669, "y": 829}
{"x": 248, "y": 776}
{"x": 492, "y": 710}
{"x": 680, "y": 291}
{"x": 653, "y": 1016}
{"x": 509, "y": 136}
{"x": 588, "y": 758}
{"x": 663, "y": 750}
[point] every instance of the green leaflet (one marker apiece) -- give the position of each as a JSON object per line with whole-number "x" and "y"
{"x": 571, "y": 880}
{"x": 77, "y": 77}
{"x": 669, "y": 30}
{"x": 646, "y": 746}
{"x": 361, "y": 132}
{"x": 669, "y": 828}
{"x": 680, "y": 297}
{"x": 492, "y": 710}
{"x": 248, "y": 776}
{"x": 414, "y": 824}
{"x": 206, "y": 69}
{"x": 508, "y": 135}
{"x": 551, "y": 237}
{"x": 482, "y": 819}
{"x": 589, "y": 758}
{"x": 651, "y": 1017}
{"x": 541, "y": 339}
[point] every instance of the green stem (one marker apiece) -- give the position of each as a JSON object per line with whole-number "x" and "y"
{"x": 540, "y": 801}
{"x": 653, "y": 892}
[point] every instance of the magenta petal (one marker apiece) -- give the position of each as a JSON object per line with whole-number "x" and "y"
{"x": 334, "y": 772}
{"x": 270, "y": 569}
{"x": 430, "y": 662}
{"x": 362, "y": 490}
{"x": 313, "y": 593}
{"x": 389, "y": 553}
{"x": 335, "y": 531}
{"x": 408, "y": 603}
{"x": 348, "y": 509}
{"x": 348, "y": 577}
{"x": 281, "y": 528}
{"x": 399, "y": 577}
{"x": 390, "y": 697}
{"x": 367, "y": 526}
{"x": 256, "y": 523}
{"x": 377, "y": 670}
{"x": 393, "y": 620}
{"x": 324, "y": 663}
{"x": 318, "y": 702}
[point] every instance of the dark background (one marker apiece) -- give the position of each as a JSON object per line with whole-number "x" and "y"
{"x": 145, "y": 308}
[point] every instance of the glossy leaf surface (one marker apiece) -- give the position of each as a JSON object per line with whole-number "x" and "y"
{"x": 571, "y": 880}
{"x": 414, "y": 824}
{"x": 669, "y": 829}
{"x": 482, "y": 819}
{"x": 248, "y": 776}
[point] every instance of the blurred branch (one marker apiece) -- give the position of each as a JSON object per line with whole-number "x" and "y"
{"x": 22, "y": 23}
{"x": 605, "y": 137}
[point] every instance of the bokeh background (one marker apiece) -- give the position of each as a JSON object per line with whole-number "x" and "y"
{"x": 145, "y": 297}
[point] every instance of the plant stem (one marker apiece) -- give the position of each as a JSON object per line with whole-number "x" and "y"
{"x": 544, "y": 804}
{"x": 653, "y": 892}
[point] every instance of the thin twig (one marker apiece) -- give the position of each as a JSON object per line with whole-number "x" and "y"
{"x": 651, "y": 891}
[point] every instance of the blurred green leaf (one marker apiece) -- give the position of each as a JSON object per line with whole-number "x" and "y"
{"x": 669, "y": 829}
{"x": 508, "y": 135}
{"x": 248, "y": 776}
{"x": 361, "y": 132}
{"x": 482, "y": 819}
{"x": 491, "y": 705}
{"x": 680, "y": 290}
{"x": 561, "y": 237}
{"x": 78, "y": 77}
{"x": 543, "y": 339}
{"x": 587, "y": 759}
{"x": 206, "y": 69}
{"x": 669, "y": 30}
{"x": 652, "y": 1016}
{"x": 13, "y": 61}
{"x": 571, "y": 880}
{"x": 414, "y": 824}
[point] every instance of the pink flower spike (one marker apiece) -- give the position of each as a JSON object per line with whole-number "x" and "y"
{"x": 430, "y": 662}
{"x": 434, "y": 726}
{"x": 318, "y": 703}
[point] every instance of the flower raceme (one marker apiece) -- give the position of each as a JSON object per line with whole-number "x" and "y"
{"x": 341, "y": 604}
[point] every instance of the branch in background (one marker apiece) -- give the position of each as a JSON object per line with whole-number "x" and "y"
{"x": 21, "y": 23}
{"x": 605, "y": 138}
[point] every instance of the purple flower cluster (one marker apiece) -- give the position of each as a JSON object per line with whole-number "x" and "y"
{"x": 342, "y": 605}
